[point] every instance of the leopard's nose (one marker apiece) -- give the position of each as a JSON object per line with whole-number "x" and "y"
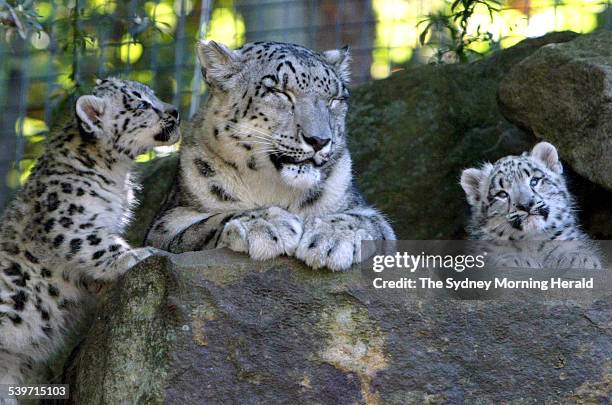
{"x": 174, "y": 112}
{"x": 316, "y": 142}
{"x": 525, "y": 205}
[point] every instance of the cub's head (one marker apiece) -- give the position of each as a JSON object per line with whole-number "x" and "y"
{"x": 519, "y": 197}
{"x": 278, "y": 105}
{"x": 128, "y": 115}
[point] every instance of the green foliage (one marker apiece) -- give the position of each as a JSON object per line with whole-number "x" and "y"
{"x": 448, "y": 30}
{"x": 18, "y": 17}
{"x": 58, "y": 48}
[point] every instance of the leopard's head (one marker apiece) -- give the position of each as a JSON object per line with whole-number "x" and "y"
{"x": 520, "y": 197}
{"x": 127, "y": 115}
{"x": 279, "y": 106}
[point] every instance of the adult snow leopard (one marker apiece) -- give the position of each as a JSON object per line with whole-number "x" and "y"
{"x": 64, "y": 227}
{"x": 522, "y": 199}
{"x": 264, "y": 167}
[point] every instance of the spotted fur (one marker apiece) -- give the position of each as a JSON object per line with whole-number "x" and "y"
{"x": 525, "y": 198}
{"x": 62, "y": 230}
{"x": 264, "y": 167}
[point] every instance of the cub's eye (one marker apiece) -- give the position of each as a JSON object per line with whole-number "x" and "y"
{"x": 142, "y": 105}
{"x": 502, "y": 194}
{"x": 535, "y": 181}
{"x": 335, "y": 102}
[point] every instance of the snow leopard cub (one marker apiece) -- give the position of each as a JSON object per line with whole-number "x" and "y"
{"x": 64, "y": 227}
{"x": 522, "y": 199}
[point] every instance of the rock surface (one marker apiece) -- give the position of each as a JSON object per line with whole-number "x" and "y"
{"x": 216, "y": 327}
{"x": 563, "y": 94}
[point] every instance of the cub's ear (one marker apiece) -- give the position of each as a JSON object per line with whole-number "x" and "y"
{"x": 340, "y": 59}
{"x": 218, "y": 62}
{"x": 470, "y": 182}
{"x": 91, "y": 110}
{"x": 547, "y": 154}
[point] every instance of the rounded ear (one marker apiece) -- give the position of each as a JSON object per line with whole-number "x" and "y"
{"x": 340, "y": 59}
{"x": 470, "y": 182}
{"x": 547, "y": 154}
{"x": 218, "y": 62}
{"x": 90, "y": 111}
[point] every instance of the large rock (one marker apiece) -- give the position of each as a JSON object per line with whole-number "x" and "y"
{"x": 563, "y": 94}
{"x": 216, "y": 327}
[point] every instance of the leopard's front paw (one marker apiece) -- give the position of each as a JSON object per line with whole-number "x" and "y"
{"x": 574, "y": 260}
{"x": 333, "y": 242}
{"x": 516, "y": 260}
{"x": 263, "y": 234}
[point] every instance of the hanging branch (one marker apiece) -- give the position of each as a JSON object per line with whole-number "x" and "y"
{"x": 456, "y": 24}
{"x": 20, "y": 18}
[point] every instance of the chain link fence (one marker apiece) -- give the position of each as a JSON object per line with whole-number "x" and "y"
{"x": 153, "y": 42}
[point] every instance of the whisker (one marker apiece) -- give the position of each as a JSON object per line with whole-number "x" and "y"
{"x": 267, "y": 149}
{"x": 253, "y": 136}
{"x": 243, "y": 127}
{"x": 266, "y": 138}
{"x": 256, "y": 142}
{"x": 258, "y": 138}
{"x": 264, "y": 152}
{"x": 270, "y": 148}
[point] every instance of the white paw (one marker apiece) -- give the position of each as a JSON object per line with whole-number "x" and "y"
{"x": 333, "y": 242}
{"x": 263, "y": 234}
{"x": 575, "y": 261}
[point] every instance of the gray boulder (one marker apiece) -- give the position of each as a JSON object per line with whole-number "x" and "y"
{"x": 563, "y": 94}
{"x": 216, "y": 327}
